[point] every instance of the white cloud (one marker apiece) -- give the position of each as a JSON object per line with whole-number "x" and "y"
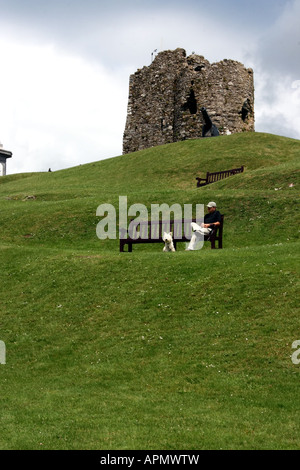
{"x": 280, "y": 44}
{"x": 279, "y": 115}
{"x": 135, "y": 36}
{"x": 57, "y": 110}
{"x": 276, "y": 59}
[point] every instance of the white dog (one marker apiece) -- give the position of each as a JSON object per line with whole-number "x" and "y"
{"x": 168, "y": 239}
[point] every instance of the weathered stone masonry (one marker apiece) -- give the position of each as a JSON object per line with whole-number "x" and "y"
{"x": 165, "y": 99}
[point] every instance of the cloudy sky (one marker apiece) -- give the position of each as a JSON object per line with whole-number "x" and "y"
{"x": 65, "y": 67}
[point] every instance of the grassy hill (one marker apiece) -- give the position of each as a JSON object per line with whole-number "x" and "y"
{"x": 151, "y": 350}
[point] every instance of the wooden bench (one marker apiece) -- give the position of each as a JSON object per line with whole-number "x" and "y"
{"x": 217, "y": 176}
{"x": 152, "y": 232}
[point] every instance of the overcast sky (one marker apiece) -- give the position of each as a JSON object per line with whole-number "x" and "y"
{"x": 65, "y": 67}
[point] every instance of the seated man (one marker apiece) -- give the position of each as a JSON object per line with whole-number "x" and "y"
{"x": 211, "y": 219}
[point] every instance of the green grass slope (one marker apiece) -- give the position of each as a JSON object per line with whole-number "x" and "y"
{"x": 152, "y": 350}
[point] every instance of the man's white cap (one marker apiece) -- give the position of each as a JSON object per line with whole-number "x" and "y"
{"x": 212, "y": 204}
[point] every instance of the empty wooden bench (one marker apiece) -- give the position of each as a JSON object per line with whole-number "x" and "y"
{"x": 153, "y": 231}
{"x": 217, "y": 176}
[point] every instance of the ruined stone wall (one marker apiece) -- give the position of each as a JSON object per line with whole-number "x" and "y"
{"x": 165, "y": 99}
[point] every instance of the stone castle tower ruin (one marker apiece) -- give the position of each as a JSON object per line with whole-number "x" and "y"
{"x": 165, "y": 99}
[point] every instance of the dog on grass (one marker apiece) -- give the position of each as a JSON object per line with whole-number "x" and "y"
{"x": 168, "y": 239}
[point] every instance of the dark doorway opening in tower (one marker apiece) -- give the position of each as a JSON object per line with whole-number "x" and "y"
{"x": 191, "y": 103}
{"x": 246, "y": 109}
